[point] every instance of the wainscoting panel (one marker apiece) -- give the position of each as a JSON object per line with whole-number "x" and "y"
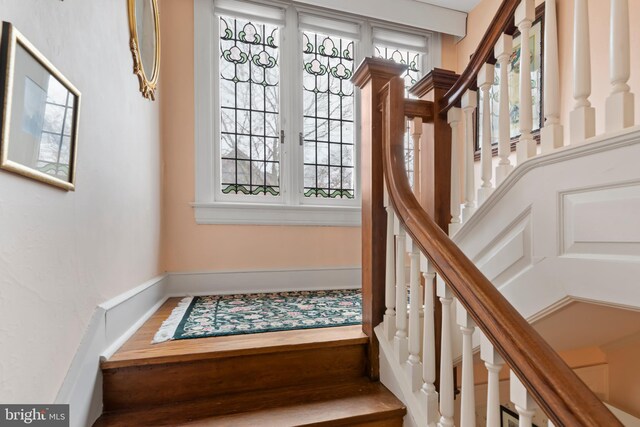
{"x": 509, "y": 254}
{"x": 601, "y": 223}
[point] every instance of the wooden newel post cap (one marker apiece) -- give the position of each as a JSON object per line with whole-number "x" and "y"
{"x": 376, "y": 67}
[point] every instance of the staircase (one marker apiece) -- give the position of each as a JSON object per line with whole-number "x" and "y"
{"x": 455, "y": 311}
{"x": 292, "y": 378}
{"x": 458, "y": 246}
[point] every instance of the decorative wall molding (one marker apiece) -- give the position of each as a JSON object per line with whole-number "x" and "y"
{"x": 592, "y": 146}
{"x": 600, "y": 222}
{"x": 572, "y": 215}
{"x": 509, "y": 253}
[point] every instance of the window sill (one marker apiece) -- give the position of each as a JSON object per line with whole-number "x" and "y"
{"x": 261, "y": 214}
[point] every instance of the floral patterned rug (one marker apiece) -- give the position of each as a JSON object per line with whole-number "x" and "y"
{"x": 220, "y": 315}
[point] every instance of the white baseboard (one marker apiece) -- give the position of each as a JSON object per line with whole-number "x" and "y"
{"x": 115, "y": 321}
{"x": 229, "y": 282}
{"x": 111, "y": 324}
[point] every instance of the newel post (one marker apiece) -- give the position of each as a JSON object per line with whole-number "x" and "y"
{"x": 435, "y": 151}
{"x": 370, "y": 77}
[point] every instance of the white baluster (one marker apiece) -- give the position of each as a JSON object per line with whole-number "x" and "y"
{"x": 416, "y": 134}
{"x": 415, "y": 328}
{"x": 390, "y": 285}
{"x": 583, "y": 117}
{"x": 526, "y": 146}
{"x": 446, "y": 358}
{"x": 522, "y": 399}
{"x": 551, "y": 135}
{"x": 469, "y": 103}
{"x": 453, "y": 118}
{"x": 467, "y": 403}
{"x": 494, "y": 363}
{"x": 619, "y": 106}
{"x": 502, "y": 52}
{"x": 430, "y": 395}
{"x": 400, "y": 340}
{"x": 485, "y": 81}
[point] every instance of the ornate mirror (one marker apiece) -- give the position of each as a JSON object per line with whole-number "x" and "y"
{"x": 144, "y": 26}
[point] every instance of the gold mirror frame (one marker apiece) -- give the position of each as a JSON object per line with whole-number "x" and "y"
{"x": 147, "y": 84}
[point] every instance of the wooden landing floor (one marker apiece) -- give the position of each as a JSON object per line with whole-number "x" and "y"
{"x": 138, "y": 350}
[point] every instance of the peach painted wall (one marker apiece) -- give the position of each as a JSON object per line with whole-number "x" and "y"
{"x": 480, "y": 17}
{"x": 187, "y": 246}
{"x": 624, "y": 374}
{"x": 449, "y": 53}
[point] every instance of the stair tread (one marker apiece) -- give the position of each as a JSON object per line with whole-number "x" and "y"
{"x": 138, "y": 350}
{"x": 357, "y": 401}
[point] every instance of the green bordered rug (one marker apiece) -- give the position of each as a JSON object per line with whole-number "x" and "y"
{"x": 220, "y": 315}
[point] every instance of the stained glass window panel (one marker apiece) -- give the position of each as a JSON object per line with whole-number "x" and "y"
{"x": 328, "y": 104}
{"x": 413, "y": 61}
{"x": 249, "y": 104}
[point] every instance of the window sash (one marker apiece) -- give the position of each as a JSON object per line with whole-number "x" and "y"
{"x": 293, "y": 20}
{"x": 218, "y": 130}
{"x": 250, "y": 154}
{"x": 326, "y": 84}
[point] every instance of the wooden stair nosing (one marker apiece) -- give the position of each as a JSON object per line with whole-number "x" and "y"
{"x": 355, "y": 402}
{"x": 142, "y": 357}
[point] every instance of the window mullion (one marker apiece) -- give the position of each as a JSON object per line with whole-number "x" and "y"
{"x": 364, "y": 49}
{"x": 290, "y": 106}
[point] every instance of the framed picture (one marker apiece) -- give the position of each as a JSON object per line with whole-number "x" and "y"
{"x": 508, "y": 418}
{"x": 536, "y": 59}
{"x": 40, "y": 112}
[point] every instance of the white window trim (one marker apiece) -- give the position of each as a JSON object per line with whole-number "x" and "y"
{"x": 290, "y": 208}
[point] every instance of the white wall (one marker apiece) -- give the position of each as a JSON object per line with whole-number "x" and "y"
{"x": 61, "y": 254}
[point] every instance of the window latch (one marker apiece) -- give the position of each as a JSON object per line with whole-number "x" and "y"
{"x": 281, "y": 136}
{"x": 300, "y": 139}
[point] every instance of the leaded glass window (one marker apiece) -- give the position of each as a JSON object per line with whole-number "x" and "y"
{"x": 249, "y": 107}
{"x": 328, "y": 128}
{"x": 409, "y": 58}
{"x": 414, "y": 72}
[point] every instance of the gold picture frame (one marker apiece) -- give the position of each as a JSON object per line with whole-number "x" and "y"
{"x": 40, "y": 114}
{"x": 143, "y": 44}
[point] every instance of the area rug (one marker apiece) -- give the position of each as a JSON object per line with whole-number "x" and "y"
{"x": 220, "y": 315}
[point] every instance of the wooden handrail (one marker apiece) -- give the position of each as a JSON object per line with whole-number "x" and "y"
{"x": 501, "y": 22}
{"x": 555, "y": 387}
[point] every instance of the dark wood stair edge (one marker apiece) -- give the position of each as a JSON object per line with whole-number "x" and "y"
{"x": 191, "y": 357}
{"x": 280, "y": 398}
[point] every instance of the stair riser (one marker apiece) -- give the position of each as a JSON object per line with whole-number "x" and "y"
{"x": 143, "y": 386}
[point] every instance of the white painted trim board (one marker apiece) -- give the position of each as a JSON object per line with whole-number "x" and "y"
{"x": 252, "y": 281}
{"x": 111, "y": 324}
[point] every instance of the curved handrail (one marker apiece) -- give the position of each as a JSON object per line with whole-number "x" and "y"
{"x": 500, "y": 23}
{"x": 556, "y": 388}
